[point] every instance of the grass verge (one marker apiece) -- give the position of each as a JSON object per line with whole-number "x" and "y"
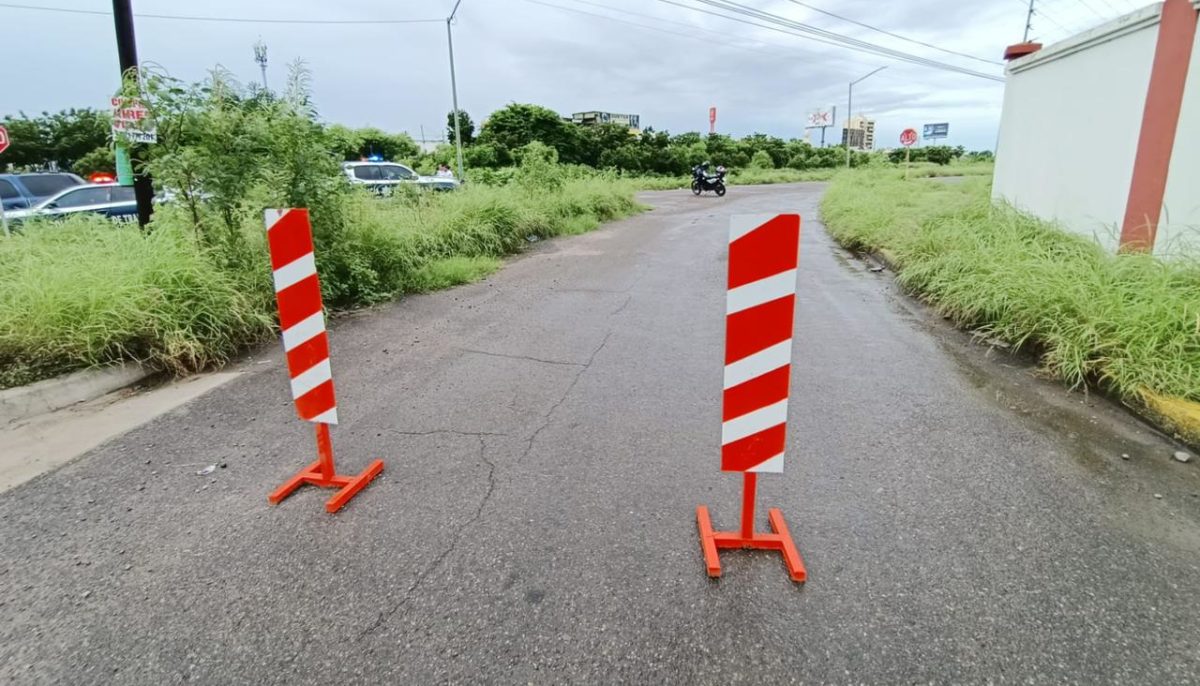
{"x": 1127, "y": 323}
{"x": 83, "y": 292}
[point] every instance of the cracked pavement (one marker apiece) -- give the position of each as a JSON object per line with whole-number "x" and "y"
{"x": 547, "y": 434}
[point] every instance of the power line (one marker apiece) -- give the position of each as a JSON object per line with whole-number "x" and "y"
{"x": 841, "y": 39}
{"x": 894, "y": 35}
{"x": 238, "y": 20}
{"x": 660, "y": 30}
{"x": 822, "y": 36}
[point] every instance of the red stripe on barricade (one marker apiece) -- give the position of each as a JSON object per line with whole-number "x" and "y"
{"x": 766, "y": 251}
{"x": 756, "y": 393}
{"x": 757, "y": 328}
{"x": 317, "y": 401}
{"x": 301, "y": 358}
{"x": 751, "y": 451}
{"x": 299, "y": 301}
{"x": 289, "y": 238}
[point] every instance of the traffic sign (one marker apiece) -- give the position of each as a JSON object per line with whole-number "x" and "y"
{"x": 908, "y": 137}
{"x": 131, "y": 121}
{"x": 3, "y": 139}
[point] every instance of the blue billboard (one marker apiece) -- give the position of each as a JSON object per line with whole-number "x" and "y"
{"x": 937, "y": 130}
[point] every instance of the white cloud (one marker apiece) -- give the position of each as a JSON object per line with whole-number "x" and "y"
{"x": 396, "y": 76}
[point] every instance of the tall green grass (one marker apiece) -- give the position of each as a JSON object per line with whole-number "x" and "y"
{"x": 1125, "y": 322}
{"x": 85, "y": 292}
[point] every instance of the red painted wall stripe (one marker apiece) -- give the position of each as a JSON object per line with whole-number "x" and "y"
{"x": 1160, "y": 120}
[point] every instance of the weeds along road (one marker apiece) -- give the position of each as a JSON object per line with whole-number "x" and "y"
{"x": 548, "y": 434}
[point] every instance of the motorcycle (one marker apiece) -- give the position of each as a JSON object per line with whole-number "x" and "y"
{"x": 701, "y": 182}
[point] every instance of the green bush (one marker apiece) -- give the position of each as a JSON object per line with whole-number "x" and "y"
{"x": 762, "y": 160}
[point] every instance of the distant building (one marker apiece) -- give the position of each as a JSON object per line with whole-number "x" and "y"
{"x": 632, "y": 121}
{"x": 861, "y": 132}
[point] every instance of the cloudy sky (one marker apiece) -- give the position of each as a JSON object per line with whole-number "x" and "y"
{"x": 664, "y": 59}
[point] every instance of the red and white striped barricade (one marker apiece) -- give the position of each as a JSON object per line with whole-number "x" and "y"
{"x": 760, "y": 306}
{"x": 306, "y": 344}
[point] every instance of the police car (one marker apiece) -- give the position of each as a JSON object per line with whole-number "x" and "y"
{"x": 110, "y": 200}
{"x": 381, "y": 176}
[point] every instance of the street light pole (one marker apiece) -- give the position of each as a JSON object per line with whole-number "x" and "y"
{"x": 143, "y": 190}
{"x": 850, "y": 110}
{"x": 454, "y": 90}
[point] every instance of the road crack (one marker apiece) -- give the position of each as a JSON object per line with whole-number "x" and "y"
{"x": 386, "y": 616}
{"x": 522, "y": 357}
{"x": 620, "y": 309}
{"x": 550, "y": 413}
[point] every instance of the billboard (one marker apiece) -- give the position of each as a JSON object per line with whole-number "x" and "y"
{"x": 937, "y": 130}
{"x": 819, "y": 118}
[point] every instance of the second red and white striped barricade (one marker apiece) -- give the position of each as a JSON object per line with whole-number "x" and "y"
{"x": 306, "y": 345}
{"x": 760, "y": 306}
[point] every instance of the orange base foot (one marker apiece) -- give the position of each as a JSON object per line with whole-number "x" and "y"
{"x": 348, "y": 485}
{"x": 713, "y": 541}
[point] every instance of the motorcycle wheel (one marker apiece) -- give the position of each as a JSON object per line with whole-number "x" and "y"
{"x": 720, "y": 189}
{"x": 696, "y": 188}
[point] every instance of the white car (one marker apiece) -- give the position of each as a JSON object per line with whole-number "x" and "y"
{"x": 107, "y": 199}
{"x": 383, "y": 176}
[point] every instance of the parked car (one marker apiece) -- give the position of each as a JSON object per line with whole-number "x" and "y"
{"x": 381, "y": 177}
{"x": 21, "y": 191}
{"x": 112, "y": 201}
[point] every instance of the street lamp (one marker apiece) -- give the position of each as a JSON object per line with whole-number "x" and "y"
{"x": 454, "y": 90}
{"x": 850, "y": 110}
{"x": 260, "y": 56}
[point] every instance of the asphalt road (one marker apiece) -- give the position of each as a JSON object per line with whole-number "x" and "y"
{"x": 548, "y": 434}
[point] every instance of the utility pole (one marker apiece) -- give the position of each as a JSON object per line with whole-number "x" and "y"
{"x": 454, "y": 90}
{"x": 143, "y": 190}
{"x": 850, "y": 110}
{"x": 260, "y": 56}
{"x": 1028, "y": 22}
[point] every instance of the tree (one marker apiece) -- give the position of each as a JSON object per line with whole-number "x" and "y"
{"x": 101, "y": 159}
{"x": 59, "y": 139}
{"x": 389, "y": 146}
{"x": 939, "y": 154}
{"x": 465, "y": 125}
{"x": 517, "y": 125}
{"x": 762, "y": 160}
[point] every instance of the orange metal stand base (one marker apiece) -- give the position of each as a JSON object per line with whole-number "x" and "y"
{"x": 322, "y": 473}
{"x": 713, "y": 541}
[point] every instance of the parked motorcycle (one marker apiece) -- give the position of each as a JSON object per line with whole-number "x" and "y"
{"x": 702, "y": 181}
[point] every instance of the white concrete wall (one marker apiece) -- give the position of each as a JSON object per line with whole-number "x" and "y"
{"x": 1070, "y": 125}
{"x": 1179, "y": 225}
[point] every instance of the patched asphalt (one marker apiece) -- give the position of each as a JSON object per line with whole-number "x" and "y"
{"x": 547, "y": 435}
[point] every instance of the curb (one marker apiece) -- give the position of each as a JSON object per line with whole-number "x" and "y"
{"x": 1176, "y": 414}
{"x": 41, "y": 397}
